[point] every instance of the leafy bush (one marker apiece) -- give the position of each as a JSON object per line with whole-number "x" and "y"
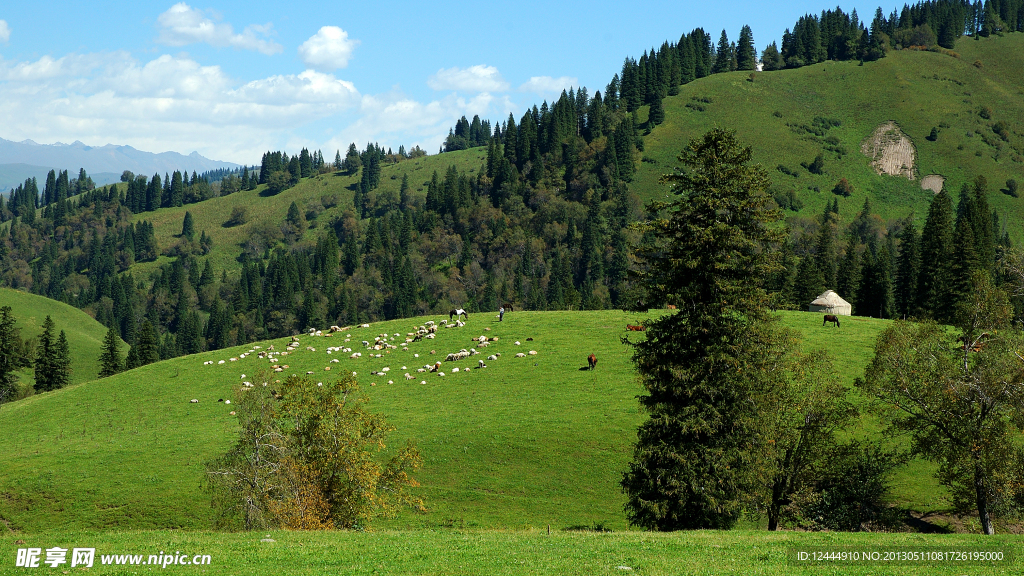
{"x": 817, "y": 166}
{"x": 852, "y": 490}
{"x": 1011, "y": 188}
{"x": 843, "y": 188}
{"x": 787, "y": 200}
{"x": 786, "y": 170}
{"x": 239, "y": 216}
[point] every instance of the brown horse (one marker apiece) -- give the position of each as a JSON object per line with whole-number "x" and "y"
{"x": 592, "y": 361}
{"x": 633, "y": 328}
{"x": 831, "y": 318}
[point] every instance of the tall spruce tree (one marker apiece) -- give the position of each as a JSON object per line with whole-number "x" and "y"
{"x": 11, "y": 357}
{"x": 704, "y": 366}
{"x": 936, "y": 259}
{"x": 908, "y": 269}
{"x": 110, "y": 357}
{"x": 45, "y": 358}
{"x": 61, "y": 362}
{"x": 746, "y": 55}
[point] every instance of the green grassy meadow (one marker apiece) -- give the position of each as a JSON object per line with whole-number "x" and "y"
{"x": 497, "y": 552}
{"x": 525, "y": 443}
{"x": 85, "y": 335}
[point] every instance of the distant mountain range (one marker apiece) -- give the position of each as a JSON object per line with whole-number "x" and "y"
{"x": 25, "y": 159}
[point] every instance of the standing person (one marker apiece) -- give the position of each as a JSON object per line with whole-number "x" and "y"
{"x": 501, "y": 313}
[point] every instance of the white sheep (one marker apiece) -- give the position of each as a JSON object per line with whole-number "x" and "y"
{"x": 533, "y": 352}
{"x": 520, "y": 355}
{"x": 491, "y": 357}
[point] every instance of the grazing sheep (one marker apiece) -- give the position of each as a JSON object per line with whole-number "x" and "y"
{"x": 364, "y": 325}
{"x": 456, "y": 369}
{"x": 193, "y": 401}
{"x": 520, "y": 355}
{"x": 517, "y": 342}
{"x": 492, "y": 357}
{"x": 533, "y": 352}
{"x": 220, "y": 362}
{"x": 408, "y": 376}
{"x": 481, "y": 364}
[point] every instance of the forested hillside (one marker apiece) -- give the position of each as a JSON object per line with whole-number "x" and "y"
{"x": 539, "y": 212}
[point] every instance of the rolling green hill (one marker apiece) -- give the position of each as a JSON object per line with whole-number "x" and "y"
{"x": 917, "y": 90}
{"x": 85, "y": 335}
{"x": 524, "y": 442}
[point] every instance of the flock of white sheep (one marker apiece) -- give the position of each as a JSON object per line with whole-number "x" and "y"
{"x": 381, "y": 345}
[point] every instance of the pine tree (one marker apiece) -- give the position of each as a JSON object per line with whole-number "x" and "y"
{"x": 110, "y": 357}
{"x": 825, "y": 252}
{"x": 11, "y": 357}
{"x": 723, "y": 56}
{"x": 703, "y": 366}
{"x": 45, "y": 358}
{"x": 848, "y": 278}
{"x": 61, "y": 362}
{"x": 656, "y": 115}
{"x": 908, "y": 269}
{"x": 746, "y": 56}
{"x": 936, "y": 259}
{"x": 147, "y": 344}
{"x": 188, "y": 227}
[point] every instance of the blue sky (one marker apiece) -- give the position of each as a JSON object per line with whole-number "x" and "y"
{"x": 232, "y": 79}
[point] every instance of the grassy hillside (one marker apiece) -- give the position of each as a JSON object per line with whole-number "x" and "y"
{"x": 85, "y": 335}
{"x": 270, "y": 210}
{"x": 526, "y": 442}
{"x": 917, "y": 90}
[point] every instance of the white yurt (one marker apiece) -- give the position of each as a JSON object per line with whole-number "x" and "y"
{"x": 830, "y": 303}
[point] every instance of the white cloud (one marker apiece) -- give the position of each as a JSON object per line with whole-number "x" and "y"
{"x": 168, "y": 103}
{"x": 477, "y": 78}
{"x": 329, "y": 49}
{"x": 544, "y": 85}
{"x": 5, "y": 31}
{"x": 397, "y": 118}
{"x": 181, "y": 24}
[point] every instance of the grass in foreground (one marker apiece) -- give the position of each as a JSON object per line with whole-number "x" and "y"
{"x": 459, "y": 552}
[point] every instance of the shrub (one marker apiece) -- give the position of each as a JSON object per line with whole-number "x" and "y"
{"x": 1011, "y": 188}
{"x": 787, "y": 200}
{"x": 817, "y": 166}
{"x": 933, "y": 135}
{"x": 852, "y": 489}
{"x": 239, "y": 216}
{"x": 843, "y": 188}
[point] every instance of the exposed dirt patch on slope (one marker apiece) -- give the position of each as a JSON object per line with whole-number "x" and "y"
{"x": 933, "y": 182}
{"x": 891, "y": 151}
